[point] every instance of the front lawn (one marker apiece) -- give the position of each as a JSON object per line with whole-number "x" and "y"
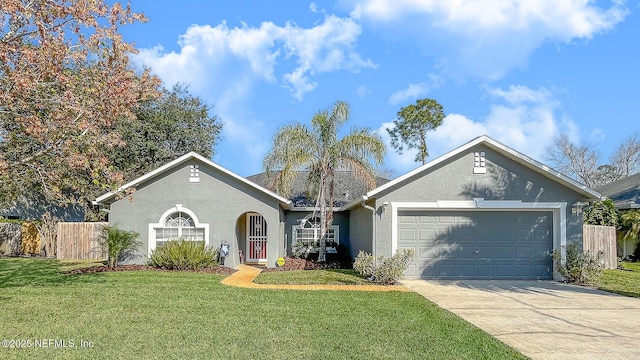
{"x": 174, "y": 315}
{"x": 624, "y": 282}
{"x": 312, "y": 277}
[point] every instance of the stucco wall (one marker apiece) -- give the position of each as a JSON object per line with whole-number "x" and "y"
{"x": 360, "y": 231}
{"x": 218, "y": 200}
{"x": 453, "y": 179}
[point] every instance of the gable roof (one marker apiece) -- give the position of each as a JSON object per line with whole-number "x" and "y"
{"x": 189, "y": 156}
{"x": 346, "y": 188}
{"x": 625, "y": 192}
{"x": 500, "y": 148}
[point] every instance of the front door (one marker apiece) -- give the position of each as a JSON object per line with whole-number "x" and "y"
{"x": 256, "y": 238}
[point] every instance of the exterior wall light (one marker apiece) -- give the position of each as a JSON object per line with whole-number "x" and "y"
{"x": 385, "y": 205}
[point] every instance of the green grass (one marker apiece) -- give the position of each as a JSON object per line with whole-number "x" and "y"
{"x": 174, "y": 315}
{"x": 624, "y": 282}
{"x": 312, "y": 277}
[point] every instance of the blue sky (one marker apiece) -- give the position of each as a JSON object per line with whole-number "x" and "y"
{"x": 520, "y": 71}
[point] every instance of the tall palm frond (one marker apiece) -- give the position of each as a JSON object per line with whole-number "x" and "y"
{"x": 318, "y": 150}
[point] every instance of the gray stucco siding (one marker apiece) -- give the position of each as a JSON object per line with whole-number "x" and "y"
{"x": 217, "y": 199}
{"x": 360, "y": 231}
{"x": 453, "y": 179}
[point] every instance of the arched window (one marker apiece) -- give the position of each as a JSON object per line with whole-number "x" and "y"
{"x": 308, "y": 233}
{"x": 177, "y": 223}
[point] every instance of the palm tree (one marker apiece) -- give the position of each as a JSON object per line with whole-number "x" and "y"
{"x": 317, "y": 149}
{"x": 631, "y": 221}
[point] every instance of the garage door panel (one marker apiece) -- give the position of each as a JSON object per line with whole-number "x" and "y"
{"x": 503, "y": 252}
{"x": 478, "y": 244}
{"x": 463, "y": 234}
{"x": 523, "y": 252}
{"x": 522, "y": 269}
{"x": 428, "y": 234}
{"x": 483, "y": 235}
{"x": 446, "y": 219}
{"x": 540, "y": 252}
{"x": 426, "y": 220}
{"x": 465, "y": 252}
{"x": 465, "y": 270}
{"x": 484, "y": 252}
{"x": 502, "y": 235}
{"x": 445, "y": 251}
{"x": 484, "y": 271}
{"x": 445, "y": 270}
{"x": 427, "y": 253}
{"x": 412, "y": 271}
{"x": 541, "y": 235}
{"x": 407, "y": 235}
{"x": 504, "y": 270}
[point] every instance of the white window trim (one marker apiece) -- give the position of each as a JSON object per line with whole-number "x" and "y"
{"x": 335, "y": 228}
{"x": 163, "y": 218}
{"x": 559, "y": 210}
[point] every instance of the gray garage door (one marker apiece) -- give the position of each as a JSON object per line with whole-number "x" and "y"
{"x": 477, "y": 244}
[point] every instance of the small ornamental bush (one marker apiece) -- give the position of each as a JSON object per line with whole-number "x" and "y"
{"x": 120, "y": 245}
{"x": 580, "y": 268}
{"x": 184, "y": 255}
{"x": 302, "y": 250}
{"x": 385, "y": 271}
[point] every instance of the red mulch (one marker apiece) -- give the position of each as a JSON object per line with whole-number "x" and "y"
{"x": 304, "y": 264}
{"x": 221, "y": 270}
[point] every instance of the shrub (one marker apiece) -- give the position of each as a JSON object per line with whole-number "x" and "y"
{"x": 184, "y": 255}
{"x": 120, "y": 245}
{"x": 302, "y": 250}
{"x": 385, "y": 271}
{"x": 580, "y": 267}
{"x": 602, "y": 213}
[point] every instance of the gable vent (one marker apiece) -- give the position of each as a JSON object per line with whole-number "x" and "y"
{"x": 194, "y": 175}
{"x": 479, "y": 163}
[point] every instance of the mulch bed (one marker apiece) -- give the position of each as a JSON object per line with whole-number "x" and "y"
{"x": 304, "y": 264}
{"x": 220, "y": 270}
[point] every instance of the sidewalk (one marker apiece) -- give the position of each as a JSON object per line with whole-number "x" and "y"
{"x": 245, "y": 275}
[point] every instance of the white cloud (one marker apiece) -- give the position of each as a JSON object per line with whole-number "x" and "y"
{"x": 415, "y": 91}
{"x": 563, "y": 19}
{"x": 224, "y": 64}
{"x": 488, "y": 38}
{"x": 525, "y": 119}
{"x": 210, "y": 58}
{"x": 363, "y": 91}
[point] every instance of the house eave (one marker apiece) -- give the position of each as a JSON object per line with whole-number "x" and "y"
{"x": 588, "y": 193}
{"x": 108, "y": 197}
{"x": 312, "y": 208}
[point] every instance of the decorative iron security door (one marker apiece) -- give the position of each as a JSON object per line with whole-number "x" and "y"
{"x": 256, "y": 238}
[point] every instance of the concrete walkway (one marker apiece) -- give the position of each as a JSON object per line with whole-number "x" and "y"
{"x": 544, "y": 319}
{"x": 245, "y": 275}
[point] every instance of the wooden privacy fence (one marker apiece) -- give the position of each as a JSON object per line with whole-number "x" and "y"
{"x": 76, "y": 241}
{"x": 596, "y": 238}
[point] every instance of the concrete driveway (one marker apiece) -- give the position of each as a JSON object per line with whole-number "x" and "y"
{"x": 544, "y": 319}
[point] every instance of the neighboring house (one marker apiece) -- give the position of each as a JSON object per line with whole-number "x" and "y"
{"x": 481, "y": 211}
{"x": 33, "y": 209}
{"x": 625, "y": 192}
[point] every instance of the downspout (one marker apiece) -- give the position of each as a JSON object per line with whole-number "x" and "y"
{"x": 373, "y": 232}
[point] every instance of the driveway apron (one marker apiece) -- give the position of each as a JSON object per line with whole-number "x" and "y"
{"x": 543, "y": 319}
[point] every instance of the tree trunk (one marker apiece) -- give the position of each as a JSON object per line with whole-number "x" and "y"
{"x": 323, "y": 219}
